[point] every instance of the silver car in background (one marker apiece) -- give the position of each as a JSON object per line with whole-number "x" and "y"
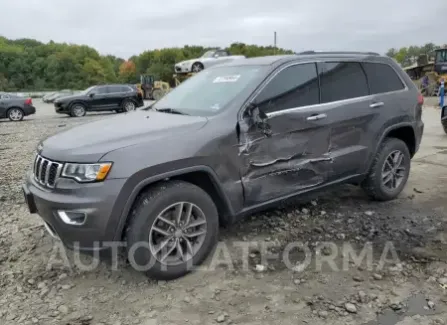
{"x": 207, "y": 60}
{"x": 52, "y": 97}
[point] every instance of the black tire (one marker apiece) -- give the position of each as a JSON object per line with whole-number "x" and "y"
{"x": 444, "y": 126}
{"x": 15, "y": 114}
{"x": 373, "y": 184}
{"x": 77, "y": 110}
{"x": 128, "y": 106}
{"x": 197, "y": 67}
{"x": 148, "y": 206}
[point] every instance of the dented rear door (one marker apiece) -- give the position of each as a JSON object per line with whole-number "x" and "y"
{"x": 288, "y": 150}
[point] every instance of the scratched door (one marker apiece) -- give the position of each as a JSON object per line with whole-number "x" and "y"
{"x": 288, "y": 151}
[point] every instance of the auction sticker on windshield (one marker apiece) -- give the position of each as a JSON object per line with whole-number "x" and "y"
{"x": 233, "y": 78}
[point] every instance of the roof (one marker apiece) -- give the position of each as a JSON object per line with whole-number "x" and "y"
{"x": 260, "y": 60}
{"x": 304, "y": 56}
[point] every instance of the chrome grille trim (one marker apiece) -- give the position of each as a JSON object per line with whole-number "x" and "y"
{"x": 46, "y": 172}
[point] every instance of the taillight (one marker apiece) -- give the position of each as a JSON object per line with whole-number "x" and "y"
{"x": 420, "y": 99}
{"x": 28, "y": 101}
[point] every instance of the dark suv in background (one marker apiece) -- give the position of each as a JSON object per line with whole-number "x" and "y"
{"x": 119, "y": 98}
{"x": 233, "y": 139}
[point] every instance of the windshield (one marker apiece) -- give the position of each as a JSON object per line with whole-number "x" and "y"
{"x": 86, "y": 91}
{"x": 208, "y": 54}
{"x": 441, "y": 56}
{"x": 211, "y": 90}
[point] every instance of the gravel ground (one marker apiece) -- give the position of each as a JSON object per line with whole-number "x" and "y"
{"x": 407, "y": 288}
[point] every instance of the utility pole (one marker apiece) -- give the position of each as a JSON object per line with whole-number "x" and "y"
{"x": 274, "y": 42}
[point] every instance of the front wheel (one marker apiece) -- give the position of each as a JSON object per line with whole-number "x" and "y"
{"x": 77, "y": 110}
{"x": 174, "y": 227}
{"x": 390, "y": 170}
{"x": 197, "y": 67}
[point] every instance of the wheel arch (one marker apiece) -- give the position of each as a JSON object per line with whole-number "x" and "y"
{"x": 12, "y": 107}
{"x": 202, "y": 176}
{"x": 403, "y": 131}
{"x": 77, "y": 101}
{"x": 128, "y": 98}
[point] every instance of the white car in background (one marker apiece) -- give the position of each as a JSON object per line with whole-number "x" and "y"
{"x": 208, "y": 59}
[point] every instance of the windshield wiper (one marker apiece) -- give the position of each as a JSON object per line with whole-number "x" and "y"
{"x": 171, "y": 111}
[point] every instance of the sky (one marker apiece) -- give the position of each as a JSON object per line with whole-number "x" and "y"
{"x": 125, "y": 28}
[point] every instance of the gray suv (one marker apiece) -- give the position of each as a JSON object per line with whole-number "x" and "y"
{"x": 235, "y": 138}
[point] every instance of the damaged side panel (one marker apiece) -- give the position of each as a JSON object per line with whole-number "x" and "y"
{"x": 283, "y": 154}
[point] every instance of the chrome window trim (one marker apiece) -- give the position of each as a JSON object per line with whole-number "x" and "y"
{"x": 322, "y": 105}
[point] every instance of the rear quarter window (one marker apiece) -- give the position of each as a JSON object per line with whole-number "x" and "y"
{"x": 382, "y": 78}
{"x": 342, "y": 80}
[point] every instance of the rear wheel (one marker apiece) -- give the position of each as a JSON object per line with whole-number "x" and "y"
{"x": 390, "y": 170}
{"x": 157, "y": 94}
{"x": 77, "y": 110}
{"x": 15, "y": 114}
{"x": 128, "y": 105}
{"x": 174, "y": 227}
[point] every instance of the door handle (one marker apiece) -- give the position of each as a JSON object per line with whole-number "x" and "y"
{"x": 376, "y": 104}
{"x": 316, "y": 117}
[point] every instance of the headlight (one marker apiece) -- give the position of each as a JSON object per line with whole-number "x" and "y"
{"x": 86, "y": 172}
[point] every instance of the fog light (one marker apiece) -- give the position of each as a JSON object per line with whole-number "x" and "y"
{"x": 72, "y": 218}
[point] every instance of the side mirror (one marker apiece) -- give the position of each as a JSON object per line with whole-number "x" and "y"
{"x": 91, "y": 95}
{"x": 253, "y": 110}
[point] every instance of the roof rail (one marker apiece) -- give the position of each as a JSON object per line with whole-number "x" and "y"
{"x": 336, "y": 52}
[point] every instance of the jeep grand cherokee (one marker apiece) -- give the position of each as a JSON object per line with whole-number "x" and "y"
{"x": 234, "y": 138}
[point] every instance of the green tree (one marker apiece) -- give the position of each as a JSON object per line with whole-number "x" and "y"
{"x": 27, "y": 64}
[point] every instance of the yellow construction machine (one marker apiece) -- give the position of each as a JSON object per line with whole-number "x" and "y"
{"x": 151, "y": 88}
{"x": 179, "y": 78}
{"x": 434, "y": 70}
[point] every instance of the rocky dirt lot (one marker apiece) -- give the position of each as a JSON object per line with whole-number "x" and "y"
{"x": 408, "y": 287}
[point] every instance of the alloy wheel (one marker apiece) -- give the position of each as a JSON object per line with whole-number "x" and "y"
{"x": 177, "y": 233}
{"x": 393, "y": 170}
{"x": 16, "y": 114}
{"x": 78, "y": 111}
{"x": 129, "y": 106}
{"x": 196, "y": 68}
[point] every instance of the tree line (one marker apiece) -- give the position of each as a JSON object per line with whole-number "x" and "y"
{"x": 27, "y": 64}
{"x": 407, "y": 56}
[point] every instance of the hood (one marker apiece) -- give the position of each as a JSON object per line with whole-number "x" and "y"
{"x": 186, "y": 62}
{"x": 91, "y": 141}
{"x": 63, "y": 97}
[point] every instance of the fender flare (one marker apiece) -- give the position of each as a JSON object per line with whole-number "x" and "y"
{"x": 156, "y": 178}
{"x": 383, "y": 135}
{"x": 77, "y": 101}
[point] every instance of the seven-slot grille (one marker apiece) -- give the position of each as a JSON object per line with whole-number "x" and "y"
{"x": 46, "y": 171}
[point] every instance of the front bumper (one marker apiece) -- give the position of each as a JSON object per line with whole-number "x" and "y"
{"x": 182, "y": 69}
{"x": 60, "y": 108}
{"x": 94, "y": 200}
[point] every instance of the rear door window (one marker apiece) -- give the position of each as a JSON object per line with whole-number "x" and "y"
{"x": 342, "y": 80}
{"x": 382, "y": 78}
{"x": 115, "y": 89}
